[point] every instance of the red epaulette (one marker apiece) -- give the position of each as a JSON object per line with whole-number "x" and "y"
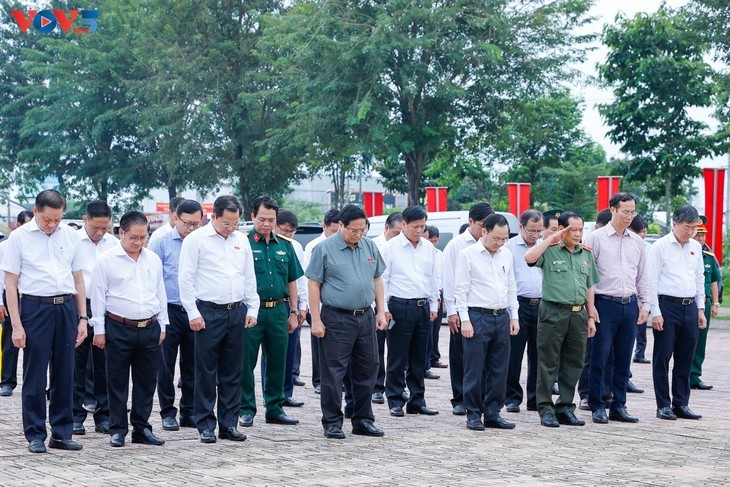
{"x": 586, "y": 248}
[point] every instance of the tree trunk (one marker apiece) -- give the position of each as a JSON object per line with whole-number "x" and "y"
{"x": 415, "y": 164}
{"x": 171, "y": 190}
{"x": 668, "y": 199}
{"x": 244, "y": 188}
{"x": 342, "y": 175}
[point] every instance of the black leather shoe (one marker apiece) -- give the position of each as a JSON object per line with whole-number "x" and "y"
{"x": 37, "y": 446}
{"x": 631, "y": 387}
{"x": 8, "y": 391}
{"x": 207, "y": 436}
{"x": 555, "y": 389}
{"x": 701, "y": 386}
{"x": 405, "y": 396}
{"x": 378, "y": 398}
{"x": 599, "y": 416}
{"x": 246, "y": 420}
{"x": 366, "y": 428}
{"x": 64, "y": 444}
{"x": 318, "y": 389}
{"x": 170, "y": 424}
{"x": 568, "y": 418}
{"x": 293, "y": 403}
{"x": 475, "y": 424}
{"x": 622, "y": 415}
{"x": 397, "y": 411}
{"x": 117, "y": 439}
{"x": 549, "y": 420}
{"x": 459, "y": 410}
{"x": 683, "y": 412}
{"x": 641, "y": 360}
{"x": 499, "y": 423}
{"x": 232, "y": 434}
{"x": 431, "y": 375}
{"x": 439, "y": 365}
{"x": 421, "y": 410}
{"x": 102, "y": 427}
{"x": 298, "y": 382}
{"x": 146, "y": 437}
{"x": 665, "y": 413}
{"x": 187, "y": 422}
{"x": 333, "y": 431}
{"x": 78, "y": 429}
{"x": 282, "y": 419}
{"x": 513, "y": 408}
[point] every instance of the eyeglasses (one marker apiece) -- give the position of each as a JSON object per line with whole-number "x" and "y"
{"x": 497, "y": 239}
{"x": 627, "y": 213}
{"x": 532, "y": 232}
{"x": 190, "y": 224}
{"x": 357, "y": 230}
{"x": 691, "y": 230}
{"x": 136, "y": 238}
{"x": 287, "y": 232}
{"x": 230, "y": 224}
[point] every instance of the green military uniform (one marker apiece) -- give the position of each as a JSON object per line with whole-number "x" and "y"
{"x": 276, "y": 265}
{"x": 712, "y": 274}
{"x": 562, "y": 322}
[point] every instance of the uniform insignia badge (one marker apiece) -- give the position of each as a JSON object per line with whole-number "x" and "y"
{"x": 280, "y": 252}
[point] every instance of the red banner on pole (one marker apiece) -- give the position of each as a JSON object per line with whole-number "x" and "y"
{"x": 373, "y": 203}
{"x": 607, "y": 186}
{"x": 714, "y": 208}
{"x": 437, "y": 198}
{"x": 518, "y": 195}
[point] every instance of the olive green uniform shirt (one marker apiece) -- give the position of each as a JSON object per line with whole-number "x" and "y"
{"x": 566, "y": 275}
{"x": 712, "y": 271}
{"x": 276, "y": 265}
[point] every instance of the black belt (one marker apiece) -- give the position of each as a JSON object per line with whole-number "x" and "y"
{"x": 136, "y": 323}
{"x": 228, "y": 306}
{"x": 272, "y": 303}
{"x": 530, "y": 301}
{"x": 572, "y": 307}
{"x": 626, "y": 300}
{"x": 176, "y": 307}
{"x": 60, "y": 299}
{"x": 487, "y": 311}
{"x": 418, "y": 301}
{"x": 672, "y": 299}
{"x": 354, "y": 312}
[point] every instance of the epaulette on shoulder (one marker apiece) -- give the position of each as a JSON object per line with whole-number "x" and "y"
{"x": 278, "y": 235}
{"x": 707, "y": 252}
{"x": 245, "y": 234}
{"x": 585, "y": 247}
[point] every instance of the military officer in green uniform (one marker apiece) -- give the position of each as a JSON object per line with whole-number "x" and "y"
{"x": 277, "y": 269}
{"x": 565, "y": 317}
{"x": 712, "y": 305}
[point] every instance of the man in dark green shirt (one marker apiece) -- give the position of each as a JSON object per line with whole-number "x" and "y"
{"x": 565, "y": 317}
{"x": 277, "y": 269}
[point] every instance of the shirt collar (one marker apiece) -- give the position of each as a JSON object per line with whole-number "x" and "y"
{"x": 610, "y": 230}
{"x": 257, "y": 237}
{"x": 404, "y": 242}
{"x": 341, "y": 244}
{"x": 519, "y": 240}
{"x": 562, "y": 246}
{"x": 33, "y": 226}
{"x": 174, "y": 234}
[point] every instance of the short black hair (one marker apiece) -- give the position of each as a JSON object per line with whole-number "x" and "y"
{"x": 413, "y": 213}
{"x": 433, "y": 231}
{"x": 686, "y": 213}
{"x": 189, "y": 207}
{"x": 603, "y": 217}
{"x": 332, "y": 216}
{"x": 546, "y": 220}
{"x": 638, "y": 224}
{"x": 226, "y": 203}
{"x": 463, "y": 228}
{"x": 98, "y": 209}
{"x": 495, "y": 220}
{"x": 619, "y": 198}
{"x": 480, "y": 211}
{"x": 51, "y": 198}
{"x": 287, "y": 216}
{"x": 350, "y": 213}
{"x": 530, "y": 216}
{"x": 175, "y": 202}
{"x": 567, "y": 215}
{"x": 267, "y": 202}
{"x": 393, "y": 218}
{"x": 132, "y": 218}
{"x": 74, "y": 225}
{"x": 23, "y": 216}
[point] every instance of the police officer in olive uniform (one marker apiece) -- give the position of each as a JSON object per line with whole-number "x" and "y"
{"x": 565, "y": 317}
{"x": 712, "y": 305}
{"x": 277, "y": 270}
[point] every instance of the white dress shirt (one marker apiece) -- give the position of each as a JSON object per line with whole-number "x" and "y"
{"x": 3, "y": 246}
{"x": 43, "y": 263}
{"x": 451, "y": 256}
{"x": 380, "y": 240}
{"x": 166, "y": 228}
{"x": 309, "y": 248}
{"x": 676, "y": 270}
{"x": 484, "y": 280}
{"x": 128, "y": 288}
{"x": 302, "y": 291}
{"x": 217, "y": 269}
{"x": 90, "y": 252}
{"x": 529, "y": 279}
{"x": 410, "y": 272}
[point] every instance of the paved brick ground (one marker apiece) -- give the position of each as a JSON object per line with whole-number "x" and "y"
{"x": 415, "y": 451}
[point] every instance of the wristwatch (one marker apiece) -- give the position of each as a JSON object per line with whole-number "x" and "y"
{"x": 83, "y": 318}
{"x": 292, "y": 312}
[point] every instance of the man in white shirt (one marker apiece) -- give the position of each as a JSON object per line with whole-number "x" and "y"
{"x": 486, "y": 290}
{"x": 477, "y": 214}
{"x": 677, "y": 292}
{"x": 42, "y": 262}
{"x": 129, "y": 307}
{"x": 93, "y": 241}
{"x": 411, "y": 301}
{"x": 218, "y": 290}
{"x": 167, "y": 227}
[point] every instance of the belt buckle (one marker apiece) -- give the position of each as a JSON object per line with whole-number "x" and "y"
{"x": 230, "y": 306}
{"x": 626, "y": 300}
{"x": 421, "y": 302}
{"x": 575, "y": 309}
{"x": 495, "y": 312}
{"x": 534, "y": 301}
{"x": 143, "y": 324}
{"x": 58, "y": 300}
{"x": 358, "y": 312}
{"x": 686, "y": 301}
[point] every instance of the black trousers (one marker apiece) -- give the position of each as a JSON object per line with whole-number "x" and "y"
{"x": 456, "y": 367}
{"x": 218, "y": 366}
{"x": 349, "y": 341}
{"x": 178, "y": 336}
{"x": 407, "y": 342}
{"x": 136, "y": 349}
{"x": 9, "y": 365}
{"x": 640, "y": 351}
{"x": 678, "y": 340}
{"x": 382, "y": 336}
{"x": 50, "y": 331}
{"x": 314, "y": 341}
{"x": 526, "y": 338}
{"x": 98, "y": 378}
{"x": 486, "y": 362}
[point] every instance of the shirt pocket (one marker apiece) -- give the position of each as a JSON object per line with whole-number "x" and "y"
{"x": 558, "y": 267}
{"x": 259, "y": 263}
{"x": 282, "y": 264}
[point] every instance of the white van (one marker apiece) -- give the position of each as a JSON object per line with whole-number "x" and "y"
{"x": 448, "y": 223}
